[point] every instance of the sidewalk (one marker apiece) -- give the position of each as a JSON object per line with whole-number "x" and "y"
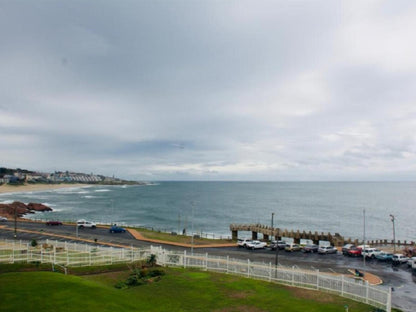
{"x": 369, "y": 277}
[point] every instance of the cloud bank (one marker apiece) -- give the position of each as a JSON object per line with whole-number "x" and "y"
{"x": 214, "y": 90}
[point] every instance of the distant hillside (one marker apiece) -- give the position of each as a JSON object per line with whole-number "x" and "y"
{"x": 20, "y": 176}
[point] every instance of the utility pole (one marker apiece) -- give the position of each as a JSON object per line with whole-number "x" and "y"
{"x": 192, "y": 229}
{"x": 179, "y": 223}
{"x": 394, "y": 233}
{"x": 364, "y": 235}
{"x": 276, "y": 260}
{"x": 15, "y": 223}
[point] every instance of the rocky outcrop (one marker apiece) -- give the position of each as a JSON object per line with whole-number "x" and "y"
{"x": 38, "y": 207}
{"x": 20, "y": 209}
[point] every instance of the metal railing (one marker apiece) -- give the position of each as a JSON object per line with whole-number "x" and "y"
{"x": 72, "y": 254}
{"x": 357, "y": 290}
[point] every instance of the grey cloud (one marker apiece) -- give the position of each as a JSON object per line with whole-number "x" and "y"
{"x": 201, "y": 90}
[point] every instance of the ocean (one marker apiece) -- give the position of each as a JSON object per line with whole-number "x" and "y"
{"x": 210, "y": 207}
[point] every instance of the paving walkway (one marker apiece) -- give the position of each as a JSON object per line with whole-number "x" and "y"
{"x": 369, "y": 277}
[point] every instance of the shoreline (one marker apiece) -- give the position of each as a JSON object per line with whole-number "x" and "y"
{"x": 10, "y": 189}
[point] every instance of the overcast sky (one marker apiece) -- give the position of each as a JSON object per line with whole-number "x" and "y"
{"x": 210, "y": 90}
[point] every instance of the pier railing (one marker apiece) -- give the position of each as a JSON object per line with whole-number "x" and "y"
{"x": 66, "y": 254}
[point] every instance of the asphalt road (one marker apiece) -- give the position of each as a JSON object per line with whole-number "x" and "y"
{"x": 397, "y": 277}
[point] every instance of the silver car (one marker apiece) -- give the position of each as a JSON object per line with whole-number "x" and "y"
{"x": 323, "y": 250}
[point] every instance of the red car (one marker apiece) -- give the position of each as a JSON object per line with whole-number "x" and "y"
{"x": 53, "y": 223}
{"x": 354, "y": 252}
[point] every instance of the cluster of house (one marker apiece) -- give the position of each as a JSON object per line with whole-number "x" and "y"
{"x": 56, "y": 177}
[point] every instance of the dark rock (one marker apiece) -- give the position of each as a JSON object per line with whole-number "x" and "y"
{"x": 21, "y": 209}
{"x": 38, "y": 207}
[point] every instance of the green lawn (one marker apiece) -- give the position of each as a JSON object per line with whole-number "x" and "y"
{"x": 181, "y": 238}
{"x": 178, "y": 290}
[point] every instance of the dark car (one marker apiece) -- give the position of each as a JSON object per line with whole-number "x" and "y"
{"x": 117, "y": 229}
{"x": 277, "y": 244}
{"x": 53, "y": 222}
{"x": 310, "y": 248}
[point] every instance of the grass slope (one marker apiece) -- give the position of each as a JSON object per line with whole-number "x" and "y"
{"x": 178, "y": 290}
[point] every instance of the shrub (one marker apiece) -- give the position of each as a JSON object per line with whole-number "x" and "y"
{"x": 156, "y": 272}
{"x": 131, "y": 280}
{"x": 121, "y": 285}
{"x": 151, "y": 260}
{"x": 33, "y": 243}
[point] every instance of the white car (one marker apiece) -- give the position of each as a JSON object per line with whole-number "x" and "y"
{"x": 323, "y": 250}
{"x": 88, "y": 224}
{"x": 399, "y": 259}
{"x": 3, "y": 219}
{"x": 243, "y": 242}
{"x": 411, "y": 262}
{"x": 256, "y": 245}
{"x": 370, "y": 252}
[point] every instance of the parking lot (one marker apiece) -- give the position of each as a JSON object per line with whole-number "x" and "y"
{"x": 398, "y": 277}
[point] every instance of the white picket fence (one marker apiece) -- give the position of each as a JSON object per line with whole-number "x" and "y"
{"x": 68, "y": 254}
{"x": 72, "y": 254}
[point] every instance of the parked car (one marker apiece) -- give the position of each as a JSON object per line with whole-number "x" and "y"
{"x": 384, "y": 256}
{"x": 346, "y": 248}
{"x": 399, "y": 259}
{"x": 277, "y": 244}
{"x": 3, "y": 219}
{"x": 255, "y": 244}
{"x": 243, "y": 242}
{"x": 53, "y": 222}
{"x": 310, "y": 248}
{"x": 117, "y": 229}
{"x": 327, "y": 250}
{"x": 411, "y": 262}
{"x": 88, "y": 224}
{"x": 292, "y": 247}
{"x": 370, "y": 252}
{"x": 354, "y": 252}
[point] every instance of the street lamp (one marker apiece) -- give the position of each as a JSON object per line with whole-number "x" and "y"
{"x": 271, "y": 236}
{"x": 276, "y": 260}
{"x": 112, "y": 212}
{"x": 364, "y": 235}
{"x": 15, "y": 223}
{"x": 394, "y": 233}
{"x": 192, "y": 229}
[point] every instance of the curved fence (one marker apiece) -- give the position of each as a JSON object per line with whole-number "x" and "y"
{"x": 72, "y": 254}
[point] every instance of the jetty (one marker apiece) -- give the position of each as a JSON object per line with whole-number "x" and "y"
{"x": 336, "y": 239}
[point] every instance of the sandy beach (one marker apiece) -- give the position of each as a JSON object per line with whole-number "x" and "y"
{"x": 5, "y": 188}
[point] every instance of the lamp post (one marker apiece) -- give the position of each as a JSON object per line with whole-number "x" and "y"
{"x": 364, "y": 235}
{"x": 112, "y": 212}
{"x": 394, "y": 232}
{"x": 15, "y": 223}
{"x": 192, "y": 229}
{"x": 276, "y": 260}
{"x": 271, "y": 236}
